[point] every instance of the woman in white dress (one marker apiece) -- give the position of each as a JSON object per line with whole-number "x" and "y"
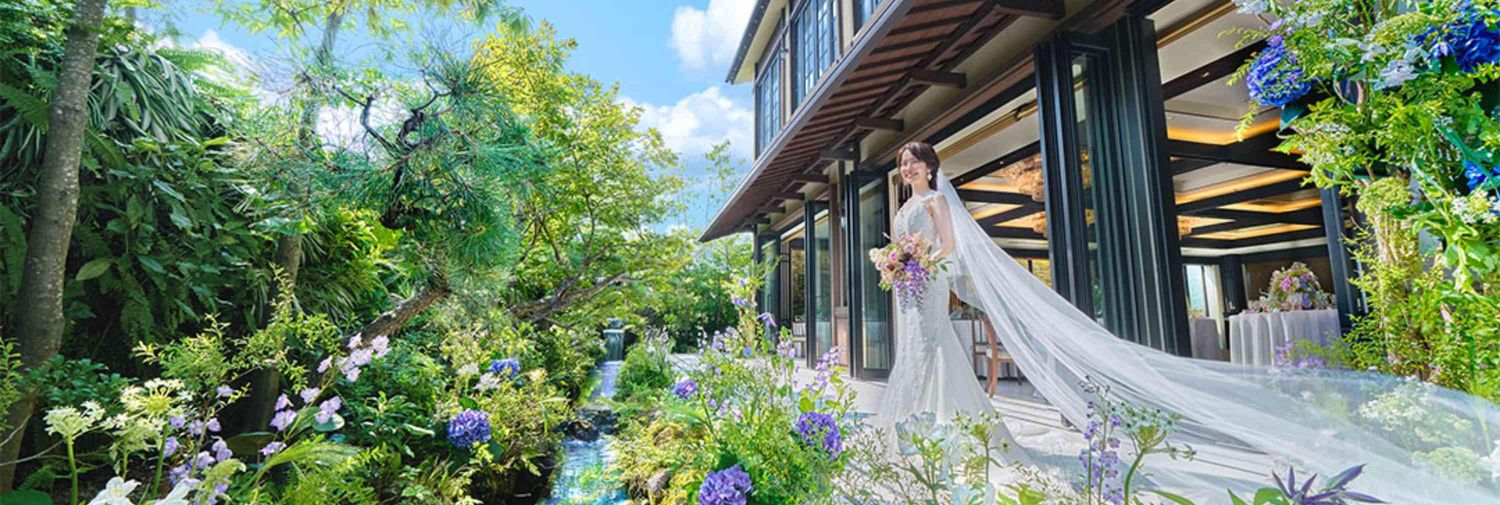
{"x": 932, "y": 372}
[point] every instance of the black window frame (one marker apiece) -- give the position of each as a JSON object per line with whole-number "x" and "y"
{"x": 768, "y": 113}
{"x": 820, "y": 45}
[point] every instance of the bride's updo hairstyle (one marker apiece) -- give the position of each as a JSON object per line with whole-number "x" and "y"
{"x": 924, "y": 153}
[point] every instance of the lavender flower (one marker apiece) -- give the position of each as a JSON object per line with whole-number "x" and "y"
{"x": 328, "y": 408}
{"x": 468, "y": 428}
{"x": 381, "y": 345}
{"x": 767, "y": 319}
{"x": 308, "y": 395}
{"x": 742, "y": 302}
{"x": 212, "y": 425}
{"x": 221, "y": 450}
{"x": 500, "y": 366}
{"x": 730, "y": 486}
{"x": 272, "y": 448}
{"x": 685, "y": 388}
{"x": 323, "y": 366}
{"x": 1333, "y": 493}
{"x": 177, "y": 422}
{"x": 282, "y": 403}
{"x": 170, "y": 447}
{"x": 812, "y": 426}
{"x": 1275, "y": 79}
{"x": 283, "y": 419}
{"x": 826, "y": 365}
{"x": 225, "y": 391}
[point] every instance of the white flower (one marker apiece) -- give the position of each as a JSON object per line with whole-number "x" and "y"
{"x": 179, "y": 493}
{"x": 69, "y": 423}
{"x": 116, "y": 492}
{"x": 469, "y": 369}
{"x": 488, "y": 382}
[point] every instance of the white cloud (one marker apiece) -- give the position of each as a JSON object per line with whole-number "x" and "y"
{"x": 709, "y": 38}
{"x": 340, "y": 126}
{"x": 698, "y": 121}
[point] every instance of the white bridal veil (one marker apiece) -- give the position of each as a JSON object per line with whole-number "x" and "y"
{"x": 1419, "y": 443}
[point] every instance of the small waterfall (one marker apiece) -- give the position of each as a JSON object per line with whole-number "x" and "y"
{"x": 582, "y": 476}
{"x": 614, "y": 341}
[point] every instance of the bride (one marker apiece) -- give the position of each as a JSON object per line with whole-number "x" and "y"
{"x": 1419, "y": 443}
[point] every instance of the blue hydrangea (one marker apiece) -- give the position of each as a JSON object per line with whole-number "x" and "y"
{"x": 468, "y": 428}
{"x": 685, "y": 388}
{"x": 730, "y": 486}
{"x": 1471, "y": 41}
{"x": 1477, "y": 175}
{"x": 1275, "y": 79}
{"x": 812, "y": 426}
{"x": 500, "y": 366}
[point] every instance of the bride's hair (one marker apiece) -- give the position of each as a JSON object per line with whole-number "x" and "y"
{"x": 924, "y": 153}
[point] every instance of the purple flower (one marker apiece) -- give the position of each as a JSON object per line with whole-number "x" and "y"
{"x": 179, "y": 472}
{"x": 730, "y": 486}
{"x": 308, "y": 395}
{"x": 283, "y": 419}
{"x": 1275, "y": 79}
{"x": 685, "y": 388}
{"x": 767, "y": 319}
{"x": 203, "y": 460}
{"x": 381, "y": 345}
{"x": 813, "y": 426}
{"x": 282, "y": 403}
{"x": 468, "y": 428}
{"x": 1471, "y": 41}
{"x": 323, "y": 366}
{"x": 741, "y": 302}
{"x": 221, "y": 450}
{"x": 1477, "y": 175}
{"x": 170, "y": 447}
{"x": 177, "y": 422}
{"x": 328, "y": 408}
{"x": 351, "y": 373}
{"x": 501, "y": 366}
{"x": 212, "y": 425}
{"x": 225, "y": 391}
{"x": 272, "y": 448}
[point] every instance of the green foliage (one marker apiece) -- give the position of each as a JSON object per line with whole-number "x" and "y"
{"x": 646, "y": 372}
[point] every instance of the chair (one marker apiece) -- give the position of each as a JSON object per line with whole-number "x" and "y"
{"x": 988, "y": 347}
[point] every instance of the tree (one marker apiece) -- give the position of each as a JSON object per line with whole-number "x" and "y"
{"x": 590, "y": 249}
{"x": 39, "y": 329}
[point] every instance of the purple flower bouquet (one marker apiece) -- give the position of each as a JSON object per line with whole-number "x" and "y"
{"x": 907, "y": 265}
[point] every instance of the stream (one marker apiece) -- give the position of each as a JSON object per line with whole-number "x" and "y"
{"x": 582, "y": 476}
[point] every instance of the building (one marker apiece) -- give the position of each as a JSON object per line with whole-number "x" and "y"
{"x": 1095, "y": 140}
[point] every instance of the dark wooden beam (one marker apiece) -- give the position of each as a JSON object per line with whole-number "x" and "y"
{"x": 1268, "y": 190}
{"x": 1251, "y": 218}
{"x": 970, "y": 195}
{"x": 879, "y": 123}
{"x": 935, "y": 78}
{"x": 1048, "y": 9}
{"x": 1016, "y": 213}
{"x": 769, "y": 209}
{"x": 1185, "y": 165}
{"x": 787, "y": 195}
{"x": 1214, "y": 71}
{"x": 1249, "y": 152}
{"x": 818, "y": 178}
{"x": 832, "y": 154}
{"x": 1008, "y": 232}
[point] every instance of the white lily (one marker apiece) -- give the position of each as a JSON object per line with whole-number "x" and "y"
{"x": 116, "y": 492}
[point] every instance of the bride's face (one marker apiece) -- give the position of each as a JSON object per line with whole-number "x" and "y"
{"x": 912, "y": 169}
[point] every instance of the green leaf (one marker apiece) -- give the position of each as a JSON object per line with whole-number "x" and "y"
{"x": 1267, "y": 495}
{"x": 335, "y": 422}
{"x": 93, "y": 269}
{"x": 249, "y": 443}
{"x": 169, "y": 190}
{"x": 806, "y": 404}
{"x": 151, "y": 264}
{"x": 468, "y": 403}
{"x": 1174, "y": 498}
{"x": 1235, "y": 500}
{"x": 179, "y": 219}
{"x": 32, "y": 109}
{"x": 25, "y": 497}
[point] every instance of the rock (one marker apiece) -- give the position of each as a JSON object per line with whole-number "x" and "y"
{"x": 581, "y": 429}
{"x": 602, "y": 418}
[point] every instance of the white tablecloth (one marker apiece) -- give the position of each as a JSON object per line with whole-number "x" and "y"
{"x": 1205, "y": 336}
{"x": 1253, "y": 338}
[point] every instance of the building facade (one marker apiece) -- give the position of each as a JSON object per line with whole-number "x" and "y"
{"x": 1094, "y": 140}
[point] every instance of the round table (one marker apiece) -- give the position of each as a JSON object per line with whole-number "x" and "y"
{"x": 1254, "y": 337}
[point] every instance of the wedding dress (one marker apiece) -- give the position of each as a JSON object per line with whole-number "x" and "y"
{"x": 1419, "y": 443}
{"x": 932, "y": 372}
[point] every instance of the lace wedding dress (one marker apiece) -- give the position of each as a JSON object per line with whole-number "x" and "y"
{"x": 932, "y": 372}
{"x": 1419, "y": 443}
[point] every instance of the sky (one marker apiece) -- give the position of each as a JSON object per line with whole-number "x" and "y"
{"x": 669, "y": 57}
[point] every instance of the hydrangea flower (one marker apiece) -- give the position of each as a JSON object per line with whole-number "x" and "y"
{"x": 811, "y": 426}
{"x": 685, "y": 388}
{"x": 1471, "y": 41}
{"x": 500, "y": 366}
{"x": 730, "y": 486}
{"x": 1275, "y": 79}
{"x": 468, "y": 428}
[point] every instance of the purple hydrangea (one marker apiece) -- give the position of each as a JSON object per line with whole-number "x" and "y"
{"x": 685, "y": 388}
{"x": 1275, "y": 79}
{"x": 812, "y": 426}
{"x": 501, "y": 366}
{"x": 730, "y": 486}
{"x": 468, "y": 428}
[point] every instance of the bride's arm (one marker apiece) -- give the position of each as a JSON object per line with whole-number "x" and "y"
{"x": 937, "y": 205}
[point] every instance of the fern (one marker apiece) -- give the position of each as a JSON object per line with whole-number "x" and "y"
{"x": 31, "y": 108}
{"x": 311, "y": 453}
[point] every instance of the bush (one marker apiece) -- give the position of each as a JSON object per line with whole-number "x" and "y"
{"x": 647, "y": 370}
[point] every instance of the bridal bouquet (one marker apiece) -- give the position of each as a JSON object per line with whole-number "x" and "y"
{"x": 906, "y": 266}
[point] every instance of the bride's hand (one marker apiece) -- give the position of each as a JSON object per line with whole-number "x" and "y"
{"x": 937, "y": 206}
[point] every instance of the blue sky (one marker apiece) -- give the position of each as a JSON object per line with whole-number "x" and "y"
{"x": 668, "y": 56}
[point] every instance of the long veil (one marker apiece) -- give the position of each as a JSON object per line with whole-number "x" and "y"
{"x": 1419, "y": 443}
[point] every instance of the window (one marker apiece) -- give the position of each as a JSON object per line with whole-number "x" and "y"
{"x": 813, "y": 46}
{"x": 1203, "y": 297}
{"x": 768, "y": 101}
{"x": 863, "y": 11}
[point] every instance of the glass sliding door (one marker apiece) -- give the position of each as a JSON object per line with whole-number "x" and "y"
{"x": 819, "y": 280}
{"x": 870, "y": 306}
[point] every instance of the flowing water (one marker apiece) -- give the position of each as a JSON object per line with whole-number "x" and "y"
{"x": 582, "y": 476}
